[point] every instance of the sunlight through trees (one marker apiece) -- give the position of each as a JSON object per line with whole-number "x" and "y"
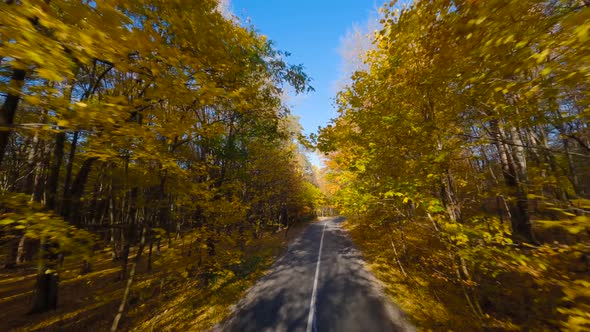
{"x": 469, "y": 127}
{"x": 132, "y": 125}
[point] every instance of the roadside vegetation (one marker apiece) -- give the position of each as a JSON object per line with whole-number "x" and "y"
{"x": 461, "y": 154}
{"x": 173, "y": 296}
{"x": 149, "y": 168}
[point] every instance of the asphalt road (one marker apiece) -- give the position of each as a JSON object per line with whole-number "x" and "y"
{"x": 304, "y": 293}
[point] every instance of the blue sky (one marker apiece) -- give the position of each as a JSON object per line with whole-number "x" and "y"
{"x": 312, "y": 31}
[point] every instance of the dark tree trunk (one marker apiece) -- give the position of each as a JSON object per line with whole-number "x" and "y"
{"x": 46, "y": 291}
{"x": 9, "y": 109}
{"x": 86, "y": 267}
{"x": 72, "y": 210}
{"x": 11, "y": 257}
{"x": 41, "y": 172}
{"x": 47, "y": 286}
{"x": 70, "y": 165}
{"x": 210, "y": 246}
{"x": 127, "y": 238}
{"x": 573, "y": 176}
{"x": 124, "y": 259}
{"x": 149, "y": 262}
{"x": 52, "y": 182}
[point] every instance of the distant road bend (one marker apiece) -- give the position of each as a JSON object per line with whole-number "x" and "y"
{"x": 320, "y": 284}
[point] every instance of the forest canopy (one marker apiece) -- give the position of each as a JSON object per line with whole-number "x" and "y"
{"x": 129, "y": 124}
{"x": 462, "y": 145}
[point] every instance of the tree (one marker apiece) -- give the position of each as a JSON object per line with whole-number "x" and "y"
{"x": 137, "y": 119}
{"x": 459, "y": 115}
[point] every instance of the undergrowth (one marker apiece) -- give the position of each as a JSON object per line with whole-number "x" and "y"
{"x": 444, "y": 287}
{"x": 186, "y": 289}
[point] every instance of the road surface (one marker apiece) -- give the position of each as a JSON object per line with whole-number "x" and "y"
{"x": 321, "y": 285}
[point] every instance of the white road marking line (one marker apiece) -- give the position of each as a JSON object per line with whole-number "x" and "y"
{"x": 311, "y": 316}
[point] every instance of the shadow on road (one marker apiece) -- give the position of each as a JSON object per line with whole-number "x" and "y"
{"x": 347, "y": 297}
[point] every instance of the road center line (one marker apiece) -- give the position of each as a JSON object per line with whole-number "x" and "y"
{"x": 311, "y": 316}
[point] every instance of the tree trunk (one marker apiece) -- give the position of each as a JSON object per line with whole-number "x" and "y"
{"x": 47, "y": 286}
{"x": 124, "y": 255}
{"x": 52, "y": 182}
{"x": 149, "y": 262}
{"x": 33, "y": 165}
{"x": 210, "y": 246}
{"x": 76, "y": 192}
{"x": 121, "y": 310}
{"x": 449, "y": 197}
{"x": 11, "y": 258}
{"x": 113, "y": 230}
{"x": 46, "y": 291}
{"x": 572, "y": 169}
{"x": 9, "y": 109}
{"x": 86, "y": 267}
{"x": 67, "y": 192}
{"x": 522, "y": 225}
{"x": 41, "y": 172}
{"x": 513, "y": 173}
{"x": 20, "y": 251}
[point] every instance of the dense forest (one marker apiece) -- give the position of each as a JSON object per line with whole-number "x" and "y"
{"x": 151, "y": 170}
{"x": 150, "y": 134}
{"x": 462, "y": 155}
